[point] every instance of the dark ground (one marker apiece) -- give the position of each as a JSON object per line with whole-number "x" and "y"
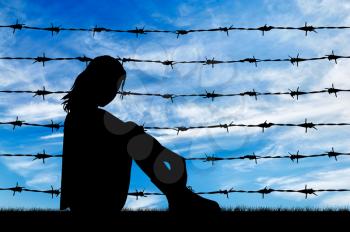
{"x": 264, "y": 220}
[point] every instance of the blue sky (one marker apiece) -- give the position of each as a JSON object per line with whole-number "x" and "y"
{"x": 316, "y": 173}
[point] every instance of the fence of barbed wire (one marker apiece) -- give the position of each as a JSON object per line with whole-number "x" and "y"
{"x": 211, "y": 94}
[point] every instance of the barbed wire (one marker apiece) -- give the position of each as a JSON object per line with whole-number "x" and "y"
{"x": 291, "y": 156}
{"x": 142, "y": 31}
{"x": 39, "y": 156}
{"x": 212, "y": 158}
{"x": 307, "y": 191}
{"x": 210, "y": 95}
{"x": 40, "y": 92}
{"x": 212, "y": 62}
{"x": 19, "y": 189}
{"x": 20, "y": 123}
{"x": 307, "y": 125}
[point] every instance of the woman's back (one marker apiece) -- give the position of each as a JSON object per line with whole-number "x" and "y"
{"x": 96, "y": 167}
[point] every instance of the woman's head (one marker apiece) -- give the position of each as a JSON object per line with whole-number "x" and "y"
{"x": 97, "y": 85}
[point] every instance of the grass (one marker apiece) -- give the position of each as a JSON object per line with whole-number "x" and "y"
{"x": 241, "y": 216}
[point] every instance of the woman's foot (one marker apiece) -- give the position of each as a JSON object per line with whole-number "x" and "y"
{"x": 187, "y": 201}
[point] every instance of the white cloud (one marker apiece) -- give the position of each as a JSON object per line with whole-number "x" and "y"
{"x": 328, "y": 178}
{"x": 52, "y": 136}
{"x": 327, "y": 8}
{"x": 43, "y": 179}
{"x": 143, "y": 203}
{"x": 27, "y": 167}
{"x": 34, "y": 111}
{"x": 340, "y": 200}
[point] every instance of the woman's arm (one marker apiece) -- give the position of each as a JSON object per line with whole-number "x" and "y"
{"x": 162, "y": 165}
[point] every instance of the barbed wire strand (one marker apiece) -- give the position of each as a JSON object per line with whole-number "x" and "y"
{"x": 307, "y": 125}
{"x": 210, "y": 95}
{"x": 39, "y": 156}
{"x": 20, "y": 123}
{"x": 212, "y": 158}
{"x": 307, "y": 191}
{"x": 142, "y": 31}
{"x": 212, "y": 62}
{"x": 292, "y": 156}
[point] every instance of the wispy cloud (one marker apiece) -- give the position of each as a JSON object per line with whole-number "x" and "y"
{"x": 52, "y": 136}
{"x": 36, "y": 111}
{"x": 43, "y": 180}
{"x": 143, "y": 203}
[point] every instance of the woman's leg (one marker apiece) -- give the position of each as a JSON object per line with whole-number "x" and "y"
{"x": 167, "y": 170}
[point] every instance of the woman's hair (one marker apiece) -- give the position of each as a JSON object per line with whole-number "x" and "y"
{"x": 97, "y": 85}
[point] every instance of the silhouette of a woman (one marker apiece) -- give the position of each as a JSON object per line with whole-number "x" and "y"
{"x": 98, "y": 149}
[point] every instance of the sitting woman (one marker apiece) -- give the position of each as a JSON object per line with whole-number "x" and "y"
{"x": 98, "y": 149}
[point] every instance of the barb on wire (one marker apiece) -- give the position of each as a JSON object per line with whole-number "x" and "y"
{"x": 42, "y": 59}
{"x": 307, "y": 191}
{"x": 265, "y": 28}
{"x": 138, "y": 194}
{"x": 98, "y": 29}
{"x": 251, "y": 157}
{"x": 53, "y": 29}
{"x": 84, "y": 59}
{"x": 226, "y": 126}
{"x": 224, "y": 29}
{"x": 296, "y": 156}
{"x": 225, "y": 192}
{"x": 265, "y": 125}
{"x": 296, "y": 60}
{"x": 211, "y": 159}
{"x": 212, "y": 62}
{"x": 251, "y": 60}
{"x": 53, "y": 192}
{"x": 251, "y": 94}
{"x": 296, "y": 93}
{"x": 265, "y": 191}
{"x": 15, "y": 123}
{"x": 142, "y": 193}
{"x": 333, "y": 90}
{"x": 333, "y": 57}
{"x": 334, "y": 154}
{"x": 293, "y": 60}
{"x": 306, "y": 28}
{"x": 210, "y": 95}
{"x": 16, "y": 26}
{"x": 307, "y": 125}
{"x": 15, "y": 189}
{"x": 182, "y": 32}
{"x": 138, "y": 31}
{"x": 44, "y": 156}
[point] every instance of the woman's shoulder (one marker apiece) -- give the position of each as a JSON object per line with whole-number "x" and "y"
{"x": 115, "y": 125}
